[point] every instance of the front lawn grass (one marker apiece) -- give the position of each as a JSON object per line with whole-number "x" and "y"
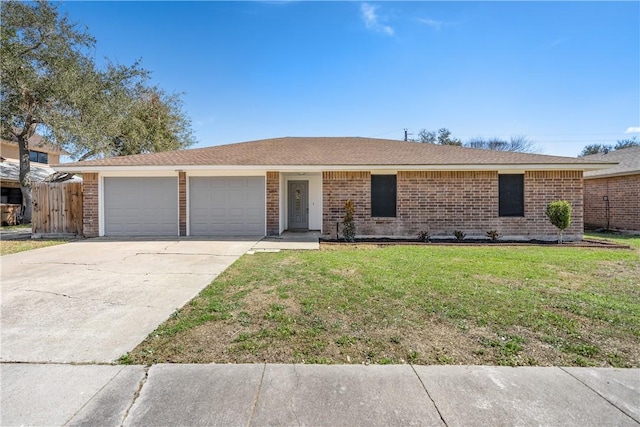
{"x": 520, "y": 305}
{"x": 14, "y": 246}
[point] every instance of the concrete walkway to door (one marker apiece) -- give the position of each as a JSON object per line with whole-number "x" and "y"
{"x": 94, "y": 300}
{"x": 294, "y": 240}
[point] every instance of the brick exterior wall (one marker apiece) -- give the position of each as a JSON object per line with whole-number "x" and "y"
{"x": 624, "y": 202}
{"x": 444, "y": 201}
{"x": 182, "y": 203}
{"x": 90, "y": 205}
{"x": 273, "y": 203}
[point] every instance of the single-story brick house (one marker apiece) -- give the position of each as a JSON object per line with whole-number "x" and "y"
{"x": 612, "y": 196}
{"x": 268, "y": 186}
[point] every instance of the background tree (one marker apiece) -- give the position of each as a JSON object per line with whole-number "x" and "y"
{"x": 595, "y": 149}
{"x": 626, "y": 143}
{"x": 604, "y": 149}
{"x": 519, "y": 144}
{"x": 51, "y": 84}
{"x": 442, "y": 137}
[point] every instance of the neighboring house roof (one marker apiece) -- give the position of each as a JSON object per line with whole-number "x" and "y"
{"x": 10, "y": 171}
{"x": 628, "y": 160}
{"x": 331, "y": 152}
{"x": 36, "y": 142}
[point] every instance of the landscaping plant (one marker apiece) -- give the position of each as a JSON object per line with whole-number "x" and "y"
{"x": 349, "y": 229}
{"x": 460, "y": 235}
{"x": 493, "y": 235}
{"x": 559, "y": 213}
{"x": 424, "y": 236}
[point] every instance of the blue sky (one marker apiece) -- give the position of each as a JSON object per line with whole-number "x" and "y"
{"x": 564, "y": 74}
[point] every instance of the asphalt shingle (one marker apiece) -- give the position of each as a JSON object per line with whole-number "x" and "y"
{"x": 329, "y": 151}
{"x": 628, "y": 160}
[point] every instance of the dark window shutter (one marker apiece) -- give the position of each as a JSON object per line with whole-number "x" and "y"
{"x": 383, "y": 196}
{"x": 511, "y": 195}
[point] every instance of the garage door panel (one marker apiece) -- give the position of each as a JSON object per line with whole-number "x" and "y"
{"x": 141, "y": 206}
{"x": 226, "y": 206}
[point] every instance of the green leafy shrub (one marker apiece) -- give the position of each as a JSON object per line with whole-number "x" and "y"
{"x": 349, "y": 229}
{"x": 559, "y": 213}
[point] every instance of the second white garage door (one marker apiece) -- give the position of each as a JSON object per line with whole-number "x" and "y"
{"x": 227, "y": 206}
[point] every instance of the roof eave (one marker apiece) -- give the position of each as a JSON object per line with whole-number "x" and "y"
{"x": 319, "y": 168}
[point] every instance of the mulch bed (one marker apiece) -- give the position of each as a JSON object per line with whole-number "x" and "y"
{"x": 584, "y": 243}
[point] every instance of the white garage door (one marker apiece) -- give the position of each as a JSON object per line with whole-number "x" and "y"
{"x": 141, "y": 206}
{"x": 227, "y": 206}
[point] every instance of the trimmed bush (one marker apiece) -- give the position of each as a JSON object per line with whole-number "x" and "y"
{"x": 559, "y": 213}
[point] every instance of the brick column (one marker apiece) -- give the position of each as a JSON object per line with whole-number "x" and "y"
{"x": 90, "y": 205}
{"x": 273, "y": 203}
{"x": 182, "y": 202}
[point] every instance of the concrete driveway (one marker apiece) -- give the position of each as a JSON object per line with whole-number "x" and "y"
{"x": 94, "y": 300}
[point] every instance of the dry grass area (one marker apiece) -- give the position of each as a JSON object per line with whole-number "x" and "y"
{"x": 413, "y": 304}
{"x": 14, "y": 246}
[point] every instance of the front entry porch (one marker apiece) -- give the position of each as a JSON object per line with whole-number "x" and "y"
{"x": 300, "y": 203}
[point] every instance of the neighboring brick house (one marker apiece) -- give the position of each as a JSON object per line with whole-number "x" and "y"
{"x": 268, "y": 186}
{"x": 612, "y": 196}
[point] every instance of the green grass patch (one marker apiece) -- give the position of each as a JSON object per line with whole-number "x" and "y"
{"x": 521, "y": 305}
{"x": 623, "y": 239}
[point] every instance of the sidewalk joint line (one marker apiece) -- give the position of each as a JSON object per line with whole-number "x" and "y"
{"x": 429, "y": 395}
{"x": 93, "y": 397}
{"x": 136, "y": 395}
{"x": 596, "y": 392}
{"x": 255, "y": 400}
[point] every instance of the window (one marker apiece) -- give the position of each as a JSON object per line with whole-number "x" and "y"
{"x": 383, "y": 195}
{"x": 38, "y": 157}
{"x": 11, "y": 195}
{"x": 511, "y": 195}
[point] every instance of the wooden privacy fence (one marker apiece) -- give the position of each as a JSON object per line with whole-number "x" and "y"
{"x": 57, "y": 208}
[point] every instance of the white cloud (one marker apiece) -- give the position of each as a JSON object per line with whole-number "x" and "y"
{"x": 436, "y": 25}
{"x": 633, "y": 129}
{"x": 371, "y": 19}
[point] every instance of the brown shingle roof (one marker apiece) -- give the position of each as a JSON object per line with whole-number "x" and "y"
{"x": 628, "y": 162}
{"x": 329, "y": 151}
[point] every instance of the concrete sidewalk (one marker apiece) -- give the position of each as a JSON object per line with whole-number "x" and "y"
{"x": 18, "y": 233}
{"x": 317, "y": 395}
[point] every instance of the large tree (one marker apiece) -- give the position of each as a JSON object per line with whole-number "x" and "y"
{"x": 51, "y": 84}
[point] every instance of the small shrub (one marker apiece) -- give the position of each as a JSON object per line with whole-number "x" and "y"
{"x": 349, "y": 229}
{"x": 559, "y": 213}
{"x": 460, "y": 235}
{"x": 424, "y": 236}
{"x": 493, "y": 235}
